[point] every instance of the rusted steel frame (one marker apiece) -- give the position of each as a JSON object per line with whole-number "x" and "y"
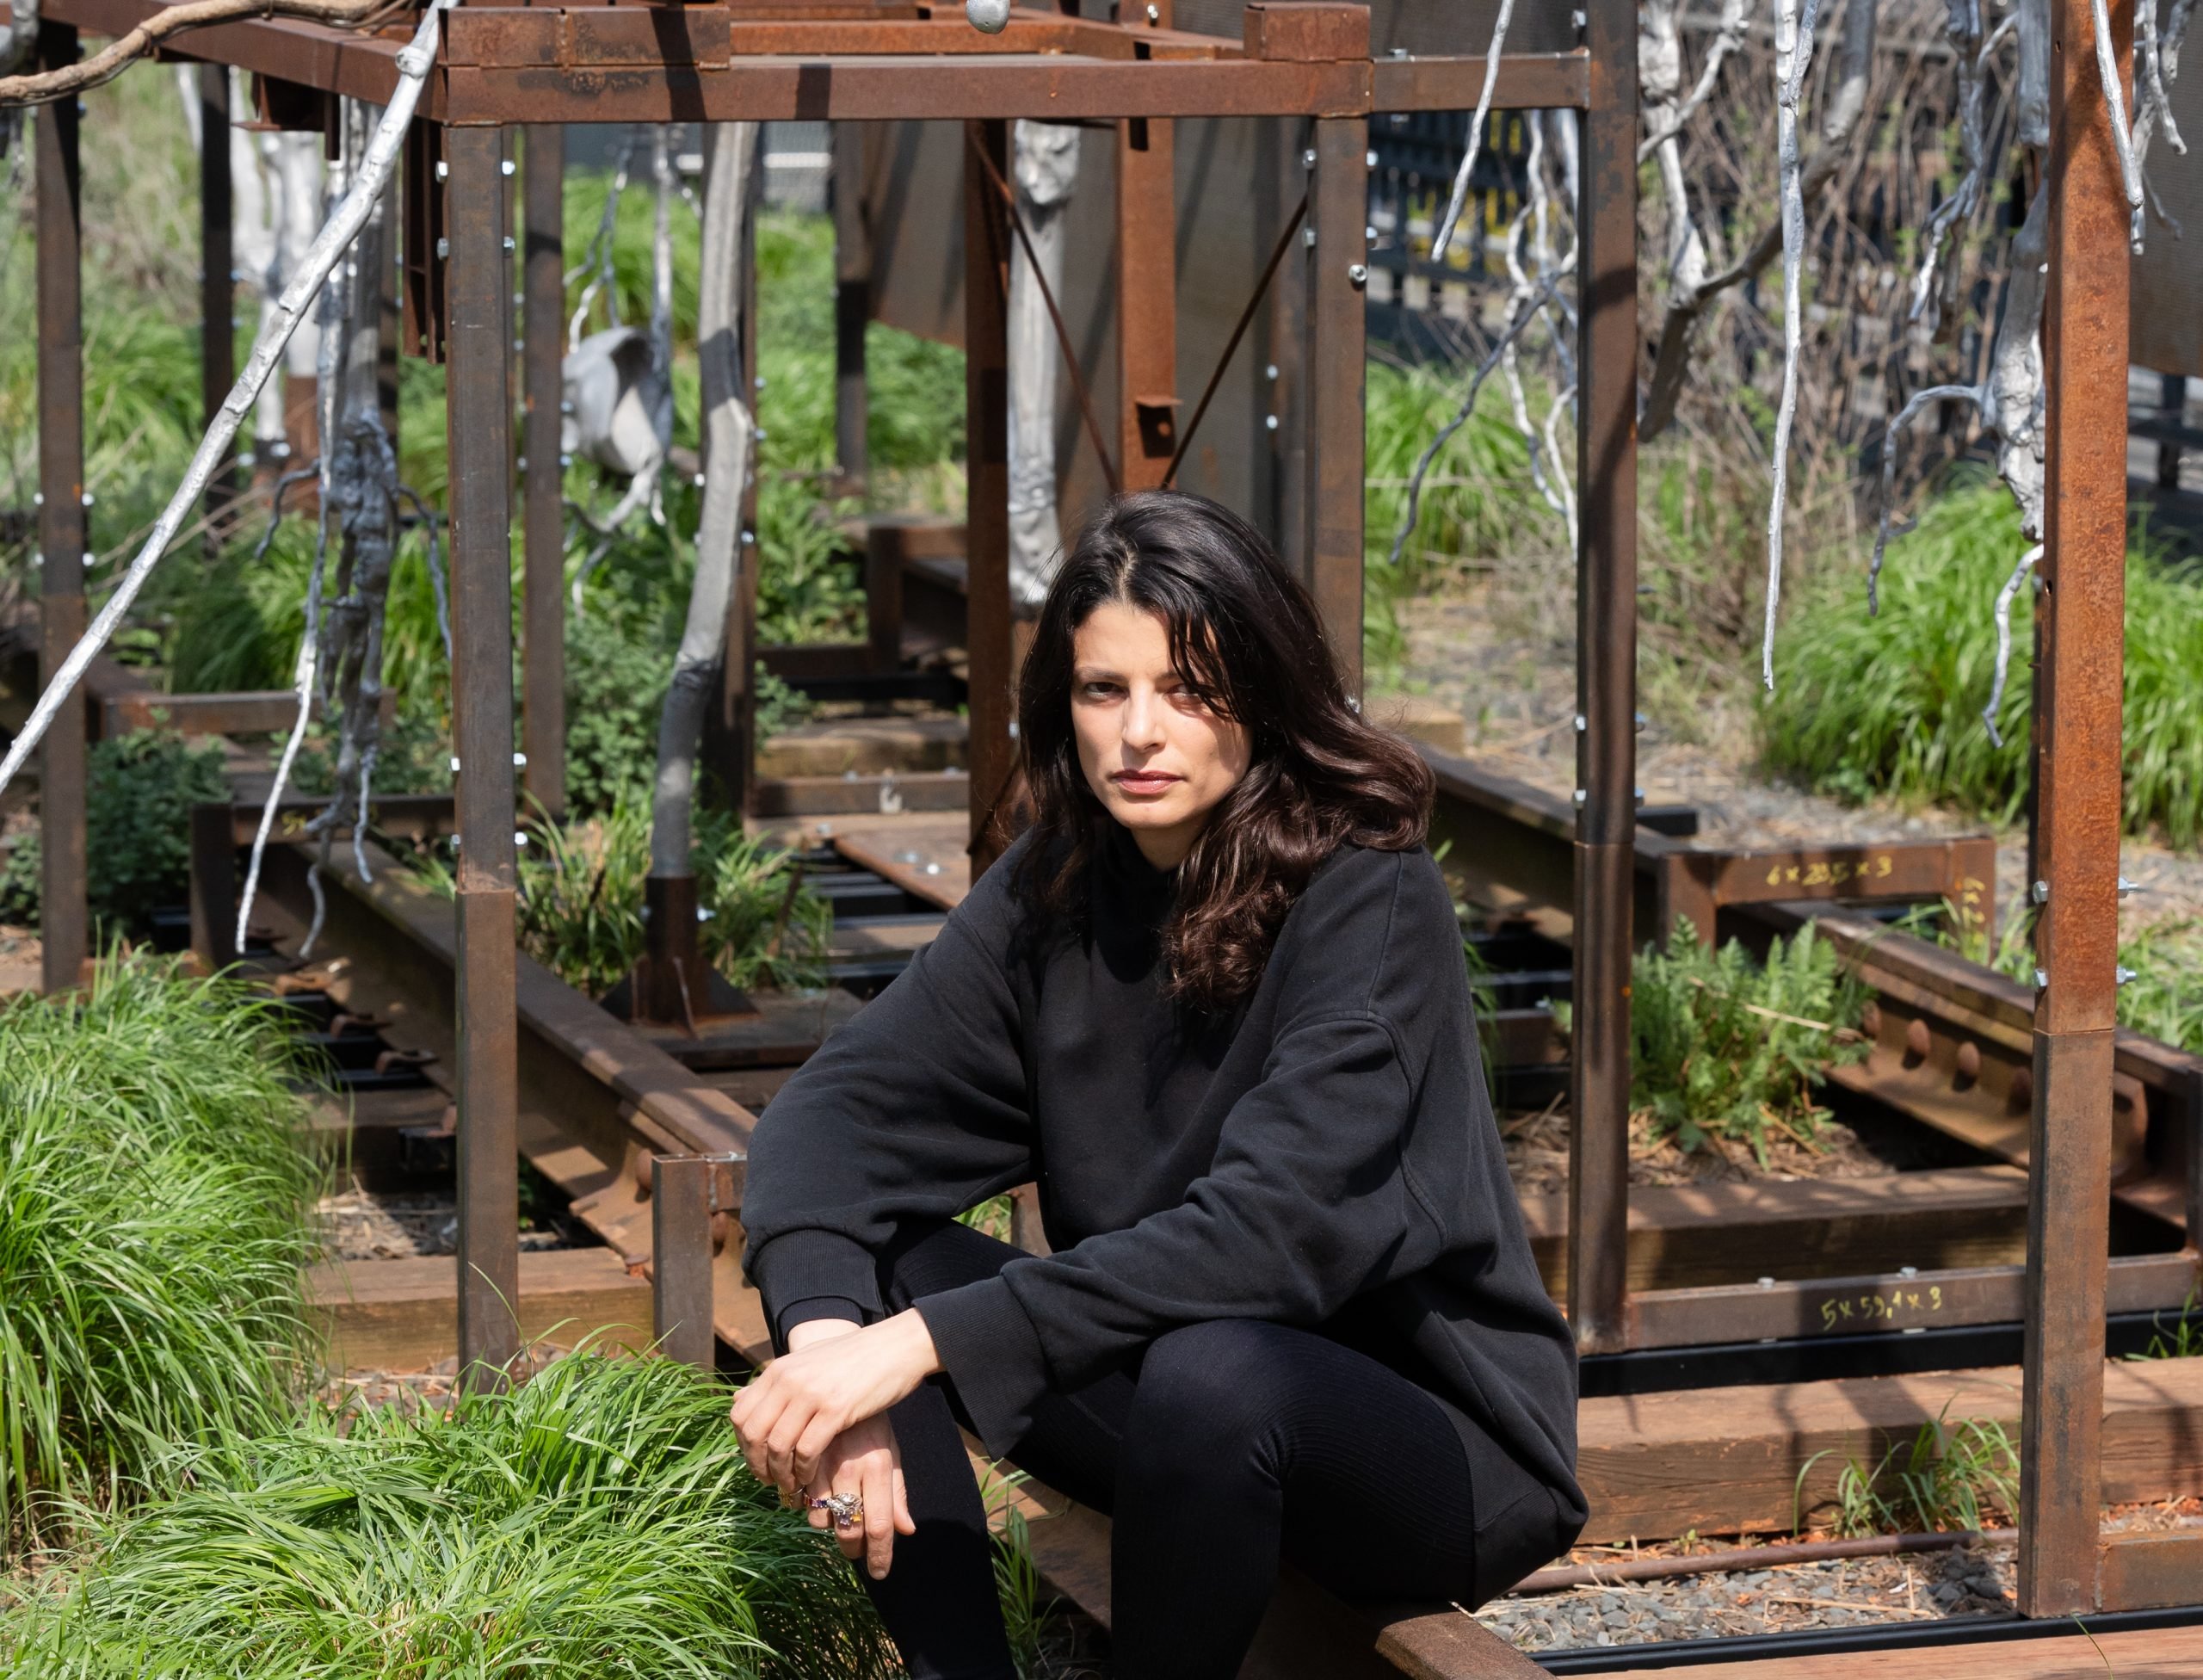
{"x": 948, "y": 34}
{"x": 1887, "y": 1304}
{"x": 1147, "y": 302}
{"x": 217, "y": 286}
{"x": 2079, "y": 697}
{"x": 1109, "y": 473}
{"x": 1238, "y": 331}
{"x": 681, "y": 1257}
{"x": 986, "y": 520}
{"x": 1335, "y": 248}
{"x": 543, "y": 539}
{"x": 1559, "y": 1578}
{"x": 65, "y": 917}
{"x": 251, "y": 711}
{"x": 480, "y": 442}
{"x": 852, "y": 309}
{"x": 1696, "y": 884}
{"x": 1527, "y": 82}
{"x": 1606, "y": 684}
{"x": 417, "y": 817}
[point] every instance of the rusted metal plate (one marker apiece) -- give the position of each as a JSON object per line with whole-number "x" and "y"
{"x": 1307, "y": 30}
{"x": 1887, "y": 1303}
{"x": 543, "y": 542}
{"x": 1147, "y": 303}
{"x": 1696, "y": 883}
{"x": 1527, "y": 82}
{"x": 1335, "y": 252}
{"x": 253, "y": 711}
{"x": 667, "y": 36}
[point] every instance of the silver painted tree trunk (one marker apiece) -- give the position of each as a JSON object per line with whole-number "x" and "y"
{"x": 1046, "y": 169}
{"x": 729, "y": 434}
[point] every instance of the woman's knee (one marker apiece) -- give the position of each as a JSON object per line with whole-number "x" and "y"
{"x": 1209, "y": 1398}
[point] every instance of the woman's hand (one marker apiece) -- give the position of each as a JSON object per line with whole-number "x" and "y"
{"x": 788, "y": 1416}
{"x": 864, "y": 1460}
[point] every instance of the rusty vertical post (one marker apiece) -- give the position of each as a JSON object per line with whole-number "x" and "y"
{"x": 218, "y": 367}
{"x": 1337, "y": 376}
{"x": 681, "y": 1257}
{"x": 852, "y": 305}
{"x": 213, "y": 863}
{"x": 479, "y": 420}
{"x": 2082, "y": 610}
{"x": 1284, "y": 417}
{"x": 1147, "y": 302}
{"x": 1605, "y": 685}
{"x": 64, "y": 917}
{"x": 543, "y": 333}
{"x": 987, "y": 400}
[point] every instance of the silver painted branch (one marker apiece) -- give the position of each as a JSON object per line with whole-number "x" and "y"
{"x": 2114, "y": 99}
{"x": 2004, "y": 639}
{"x": 1793, "y": 47}
{"x": 1728, "y": 36}
{"x": 351, "y": 215}
{"x": 1461, "y": 197}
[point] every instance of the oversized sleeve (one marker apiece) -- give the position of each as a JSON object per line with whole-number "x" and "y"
{"x": 1307, "y": 1202}
{"x": 916, "y": 1105}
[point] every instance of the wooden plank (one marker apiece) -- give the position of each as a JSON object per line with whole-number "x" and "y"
{"x": 402, "y": 1315}
{"x": 2149, "y": 1571}
{"x": 1727, "y": 1460}
{"x": 2164, "y": 1653}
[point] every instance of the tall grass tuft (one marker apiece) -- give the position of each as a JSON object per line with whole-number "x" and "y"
{"x": 1728, "y": 1047}
{"x": 154, "y": 1213}
{"x": 596, "y": 1520}
{"x": 1892, "y": 705}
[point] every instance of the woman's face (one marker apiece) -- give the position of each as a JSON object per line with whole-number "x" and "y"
{"x": 1153, "y": 752}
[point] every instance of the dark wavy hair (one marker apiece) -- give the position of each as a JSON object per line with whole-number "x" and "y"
{"x": 1244, "y": 630}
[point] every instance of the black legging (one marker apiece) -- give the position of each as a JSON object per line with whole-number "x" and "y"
{"x": 1237, "y": 1442}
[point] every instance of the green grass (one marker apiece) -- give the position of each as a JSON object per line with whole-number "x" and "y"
{"x": 1890, "y": 706}
{"x": 580, "y": 901}
{"x": 597, "y": 1520}
{"x": 2163, "y": 999}
{"x": 154, "y": 1213}
{"x": 1726, "y": 1047}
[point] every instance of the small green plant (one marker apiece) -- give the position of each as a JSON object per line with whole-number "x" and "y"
{"x": 137, "y": 798}
{"x": 1945, "y": 1478}
{"x": 2163, "y": 998}
{"x": 1018, "y": 1586}
{"x": 2183, "y": 1341}
{"x": 582, "y": 896}
{"x": 1729, "y": 1048}
{"x": 596, "y": 1520}
{"x": 155, "y": 1209}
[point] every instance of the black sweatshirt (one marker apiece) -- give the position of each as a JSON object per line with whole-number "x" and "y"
{"x": 1325, "y": 1156}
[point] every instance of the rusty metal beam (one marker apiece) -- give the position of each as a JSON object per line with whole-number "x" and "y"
{"x": 986, "y": 520}
{"x": 217, "y": 368}
{"x": 1605, "y": 685}
{"x": 682, "y": 1217}
{"x": 543, "y": 337}
{"x": 64, "y": 919}
{"x": 1147, "y": 302}
{"x": 1336, "y": 249}
{"x": 2077, "y": 769}
{"x": 852, "y": 308}
{"x": 480, "y": 423}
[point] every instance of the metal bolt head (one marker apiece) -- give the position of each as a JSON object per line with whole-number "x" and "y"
{"x": 1308, "y": 158}
{"x": 1269, "y": 422}
{"x": 86, "y": 498}
{"x": 520, "y": 761}
{"x": 443, "y": 169}
{"x": 1369, "y": 160}
{"x": 697, "y": 480}
{"x": 506, "y": 166}
{"x": 1270, "y": 372}
{"x": 520, "y": 464}
{"x": 1358, "y": 273}
{"x": 988, "y": 17}
{"x": 443, "y": 248}
{"x": 2121, "y": 973}
{"x": 508, "y": 241}
{"x": 1154, "y": 15}
{"x": 564, "y": 459}
{"x": 1582, "y": 796}
{"x": 1308, "y": 238}
{"x": 2041, "y": 980}
{"x": 454, "y": 764}
{"x": 2041, "y": 892}
{"x": 2126, "y": 886}
{"x": 1582, "y": 723}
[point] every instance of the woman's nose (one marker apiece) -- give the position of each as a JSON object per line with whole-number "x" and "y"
{"x": 1143, "y": 721}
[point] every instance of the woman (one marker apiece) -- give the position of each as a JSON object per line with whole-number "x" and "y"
{"x": 1213, "y": 1003}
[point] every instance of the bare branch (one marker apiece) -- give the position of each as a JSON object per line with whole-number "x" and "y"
{"x": 2004, "y": 638}
{"x": 1793, "y": 48}
{"x": 1728, "y": 36}
{"x": 1476, "y": 133}
{"x": 65, "y": 81}
{"x": 1920, "y": 399}
{"x": 2115, "y": 98}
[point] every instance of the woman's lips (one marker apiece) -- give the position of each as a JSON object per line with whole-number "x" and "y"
{"x": 1134, "y": 781}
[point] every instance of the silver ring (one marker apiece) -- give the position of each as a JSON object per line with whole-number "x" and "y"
{"x": 844, "y": 1508}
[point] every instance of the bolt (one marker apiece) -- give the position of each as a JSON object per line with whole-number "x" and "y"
{"x": 1154, "y": 15}
{"x": 443, "y": 169}
{"x": 761, "y": 381}
{"x": 508, "y": 241}
{"x": 2042, "y": 893}
{"x": 697, "y": 480}
{"x": 1369, "y": 159}
{"x": 1269, "y": 421}
{"x": 761, "y": 434}
{"x": 454, "y": 764}
{"x": 1368, "y": 233}
{"x": 520, "y": 761}
{"x": 1582, "y": 796}
{"x": 565, "y": 407}
{"x": 1767, "y": 1283}
{"x": 443, "y": 248}
{"x": 37, "y": 499}
{"x": 520, "y": 464}
{"x": 564, "y": 459}
{"x": 1357, "y": 273}
{"x": 1908, "y": 1271}
{"x": 1308, "y": 238}
{"x": 2121, "y": 973}
{"x": 506, "y": 166}
{"x": 1583, "y": 724}
{"x": 1270, "y": 372}
{"x": 2125, "y": 886}
{"x": 2041, "y": 980}
{"x": 519, "y": 838}
{"x": 1308, "y": 158}
{"x": 748, "y": 538}
{"x": 91, "y": 560}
